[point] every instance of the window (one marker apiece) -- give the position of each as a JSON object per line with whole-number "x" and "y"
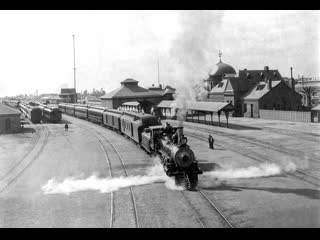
{"x": 245, "y": 107}
{"x": 220, "y": 85}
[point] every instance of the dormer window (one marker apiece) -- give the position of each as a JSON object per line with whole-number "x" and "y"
{"x": 220, "y": 85}
{"x": 260, "y": 87}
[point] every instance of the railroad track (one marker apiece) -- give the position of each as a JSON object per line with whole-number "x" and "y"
{"x": 100, "y": 137}
{"x": 207, "y": 206}
{"x": 29, "y": 149}
{"x": 11, "y": 176}
{"x": 293, "y": 133}
{"x": 263, "y": 144}
{"x": 224, "y": 221}
{"x": 306, "y": 176}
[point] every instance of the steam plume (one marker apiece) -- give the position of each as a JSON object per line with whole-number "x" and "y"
{"x": 106, "y": 185}
{"x": 263, "y": 170}
{"x": 191, "y": 53}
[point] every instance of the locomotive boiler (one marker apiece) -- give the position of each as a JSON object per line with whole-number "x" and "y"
{"x": 175, "y": 154}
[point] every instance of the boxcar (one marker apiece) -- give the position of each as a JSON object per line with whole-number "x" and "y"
{"x": 81, "y": 112}
{"x": 111, "y": 118}
{"x": 95, "y": 115}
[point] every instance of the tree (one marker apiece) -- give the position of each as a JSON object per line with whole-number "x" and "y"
{"x": 308, "y": 92}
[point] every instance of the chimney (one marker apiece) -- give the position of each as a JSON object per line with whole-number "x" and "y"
{"x": 269, "y": 84}
{"x": 245, "y": 69}
{"x": 292, "y": 81}
{"x": 266, "y": 68}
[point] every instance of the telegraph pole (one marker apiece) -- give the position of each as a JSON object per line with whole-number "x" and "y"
{"x": 74, "y": 62}
{"x": 158, "y": 72}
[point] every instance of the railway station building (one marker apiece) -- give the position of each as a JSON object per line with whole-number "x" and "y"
{"x": 9, "y": 119}
{"x": 130, "y": 92}
{"x": 251, "y": 90}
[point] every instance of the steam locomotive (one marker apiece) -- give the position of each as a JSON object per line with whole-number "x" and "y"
{"x": 146, "y": 130}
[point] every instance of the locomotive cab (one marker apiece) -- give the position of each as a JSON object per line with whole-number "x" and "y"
{"x": 149, "y": 137}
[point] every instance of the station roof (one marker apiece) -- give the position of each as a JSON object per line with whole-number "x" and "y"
{"x": 199, "y": 106}
{"x": 131, "y": 104}
{"x": 8, "y": 111}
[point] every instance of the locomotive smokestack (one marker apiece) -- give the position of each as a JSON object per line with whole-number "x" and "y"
{"x": 180, "y": 132}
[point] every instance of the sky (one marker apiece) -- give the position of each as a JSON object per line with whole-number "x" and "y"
{"x": 36, "y": 47}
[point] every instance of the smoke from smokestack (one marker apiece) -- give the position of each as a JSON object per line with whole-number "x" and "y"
{"x": 193, "y": 51}
{"x": 106, "y": 185}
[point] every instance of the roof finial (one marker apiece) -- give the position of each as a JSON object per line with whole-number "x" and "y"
{"x": 220, "y": 54}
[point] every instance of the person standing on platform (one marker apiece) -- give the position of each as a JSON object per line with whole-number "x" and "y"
{"x": 211, "y": 142}
{"x": 66, "y": 127}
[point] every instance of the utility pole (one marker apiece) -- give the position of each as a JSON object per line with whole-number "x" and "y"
{"x": 74, "y": 62}
{"x": 158, "y": 72}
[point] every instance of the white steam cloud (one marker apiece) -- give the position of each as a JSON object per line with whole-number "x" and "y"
{"x": 106, "y": 185}
{"x": 263, "y": 170}
{"x": 192, "y": 55}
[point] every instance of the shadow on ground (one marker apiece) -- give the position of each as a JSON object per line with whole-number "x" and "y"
{"x": 207, "y": 166}
{"x": 305, "y": 192}
{"x": 224, "y": 125}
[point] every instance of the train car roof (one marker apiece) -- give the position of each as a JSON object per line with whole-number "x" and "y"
{"x": 112, "y": 114}
{"x": 114, "y": 110}
{"x": 156, "y": 127}
{"x": 139, "y": 115}
{"x": 95, "y": 110}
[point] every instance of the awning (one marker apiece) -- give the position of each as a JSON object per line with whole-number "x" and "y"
{"x": 198, "y": 106}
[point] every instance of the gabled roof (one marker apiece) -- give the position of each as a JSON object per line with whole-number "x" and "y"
{"x": 260, "y": 74}
{"x": 200, "y": 106}
{"x": 8, "y": 111}
{"x": 130, "y": 92}
{"x": 259, "y": 90}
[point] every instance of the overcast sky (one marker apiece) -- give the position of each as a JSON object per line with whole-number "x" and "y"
{"x": 36, "y": 51}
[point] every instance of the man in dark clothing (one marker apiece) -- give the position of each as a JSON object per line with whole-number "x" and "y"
{"x": 175, "y": 138}
{"x": 211, "y": 141}
{"x": 66, "y": 127}
{"x": 167, "y": 129}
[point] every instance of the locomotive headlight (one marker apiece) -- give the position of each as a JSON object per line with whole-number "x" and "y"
{"x": 184, "y": 140}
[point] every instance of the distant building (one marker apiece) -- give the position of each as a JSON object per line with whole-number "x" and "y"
{"x": 309, "y": 83}
{"x": 9, "y": 119}
{"x": 68, "y": 95}
{"x": 270, "y": 95}
{"x": 131, "y": 92}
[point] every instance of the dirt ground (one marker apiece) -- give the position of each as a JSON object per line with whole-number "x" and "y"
{"x": 29, "y": 160}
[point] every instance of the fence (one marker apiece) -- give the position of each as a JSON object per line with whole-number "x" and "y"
{"x": 294, "y": 116}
